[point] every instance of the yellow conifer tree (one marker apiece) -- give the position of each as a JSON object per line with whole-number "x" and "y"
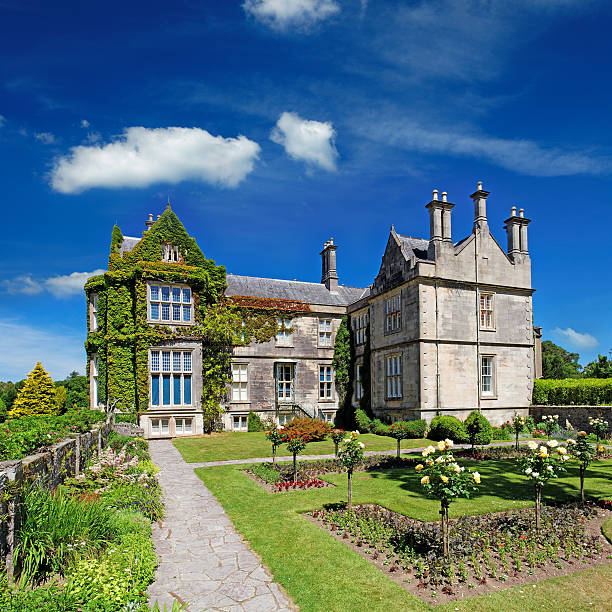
{"x": 37, "y": 396}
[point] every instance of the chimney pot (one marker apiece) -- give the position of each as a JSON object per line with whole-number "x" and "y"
{"x": 521, "y": 212}
{"x": 444, "y": 194}
{"x": 513, "y": 211}
{"x": 479, "y": 186}
{"x": 158, "y": 216}
{"x": 435, "y": 194}
{"x": 149, "y": 222}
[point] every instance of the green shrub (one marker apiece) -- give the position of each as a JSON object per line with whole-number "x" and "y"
{"x": 478, "y": 429}
{"x": 572, "y": 392}
{"x": 379, "y": 428}
{"x": 446, "y": 426}
{"x": 126, "y": 418}
{"x": 416, "y": 429}
{"x": 143, "y": 495}
{"x": 254, "y": 422}
{"x": 364, "y": 422}
{"x": 310, "y": 430}
{"x": 500, "y": 433}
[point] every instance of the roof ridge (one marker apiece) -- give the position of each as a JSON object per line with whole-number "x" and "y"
{"x": 287, "y": 280}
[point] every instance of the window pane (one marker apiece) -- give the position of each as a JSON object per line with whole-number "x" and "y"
{"x": 176, "y": 312}
{"x": 155, "y": 311}
{"x": 165, "y": 426}
{"x": 165, "y": 312}
{"x": 155, "y": 361}
{"x": 154, "y": 426}
{"x": 155, "y": 390}
{"x": 186, "y": 313}
{"x": 187, "y": 390}
{"x": 186, "y": 362}
{"x": 165, "y": 294}
{"x": 187, "y": 295}
{"x": 166, "y": 389}
{"x": 176, "y": 361}
{"x": 187, "y": 426}
{"x": 178, "y": 426}
{"x": 166, "y": 361}
{"x": 154, "y": 292}
{"x": 176, "y": 394}
{"x": 176, "y": 294}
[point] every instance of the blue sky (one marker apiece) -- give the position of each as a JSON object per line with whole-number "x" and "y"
{"x": 274, "y": 124}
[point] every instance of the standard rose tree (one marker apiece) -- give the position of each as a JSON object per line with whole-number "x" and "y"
{"x": 584, "y": 452}
{"x": 400, "y": 431}
{"x": 599, "y": 427}
{"x": 337, "y": 435}
{"x": 445, "y": 480}
{"x": 541, "y": 464}
{"x": 295, "y": 445}
{"x": 275, "y": 437}
{"x": 350, "y": 454}
{"x": 517, "y": 425}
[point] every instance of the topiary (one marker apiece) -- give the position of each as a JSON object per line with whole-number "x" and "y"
{"x": 254, "y": 422}
{"x": 478, "y": 429}
{"x": 364, "y": 422}
{"x": 446, "y": 426}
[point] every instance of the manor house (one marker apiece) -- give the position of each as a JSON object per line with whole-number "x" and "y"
{"x": 445, "y": 327}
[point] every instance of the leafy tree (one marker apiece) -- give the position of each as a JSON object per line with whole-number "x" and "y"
{"x": 37, "y": 395}
{"x": 77, "y": 391}
{"x": 60, "y": 399}
{"x": 600, "y": 368}
{"x": 559, "y": 363}
{"x": 3, "y": 410}
{"x": 8, "y": 392}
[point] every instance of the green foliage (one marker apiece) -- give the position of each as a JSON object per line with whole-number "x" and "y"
{"x": 363, "y": 421}
{"x": 9, "y": 391}
{"x": 21, "y": 437}
{"x": 343, "y": 362}
{"x": 365, "y": 403}
{"x": 309, "y": 430}
{"x": 254, "y": 422}
{"x": 3, "y": 410}
{"x": 350, "y": 451}
{"x": 266, "y": 472}
{"x": 558, "y": 363}
{"x": 446, "y": 426}
{"x": 37, "y": 396}
{"x": 77, "y": 391}
{"x": 379, "y": 428}
{"x": 573, "y": 392}
{"x": 601, "y": 368}
{"x": 478, "y": 429}
{"x": 60, "y": 399}
{"x": 116, "y": 240}
{"x": 500, "y": 433}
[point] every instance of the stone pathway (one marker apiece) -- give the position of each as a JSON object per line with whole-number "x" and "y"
{"x": 202, "y": 560}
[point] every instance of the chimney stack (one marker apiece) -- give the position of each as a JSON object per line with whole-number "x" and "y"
{"x": 439, "y": 222}
{"x": 480, "y": 207}
{"x": 149, "y": 222}
{"x": 516, "y": 228}
{"x": 329, "y": 276}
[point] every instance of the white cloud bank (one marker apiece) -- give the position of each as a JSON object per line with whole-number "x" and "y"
{"x": 584, "y": 341}
{"x": 309, "y": 141}
{"x": 21, "y": 346}
{"x": 45, "y": 138}
{"x": 142, "y": 156}
{"x": 284, "y": 14}
{"x": 59, "y": 286}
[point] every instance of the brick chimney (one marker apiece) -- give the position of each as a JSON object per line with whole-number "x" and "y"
{"x": 329, "y": 276}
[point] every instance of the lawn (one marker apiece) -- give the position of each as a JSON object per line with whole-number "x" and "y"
{"x": 320, "y": 573}
{"x": 242, "y": 445}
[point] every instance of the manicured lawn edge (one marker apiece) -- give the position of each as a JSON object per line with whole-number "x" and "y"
{"x": 320, "y": 573}
{"x": 606, "y": 528}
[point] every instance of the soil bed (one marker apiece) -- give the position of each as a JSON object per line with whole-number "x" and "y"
{"x": 489, "y": 552}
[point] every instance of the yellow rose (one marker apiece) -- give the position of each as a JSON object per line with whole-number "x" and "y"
{"x": 476, "y": 477}
{"x": 419, "y": 467}
{"x": 430, "y": 461}
{"x": 425, "y": 480}
{"x": 444, "y": 478}
{"x": 562, "y": 450}
{"x": 601, "y": 448}
{"x": 441, "y": 446}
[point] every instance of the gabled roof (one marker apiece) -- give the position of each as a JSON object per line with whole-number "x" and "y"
{"x": 309, "y": 293}
{"x": 414, "y": 247}
{"x": 129, "y": 242}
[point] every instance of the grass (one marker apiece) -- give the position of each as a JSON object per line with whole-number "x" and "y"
{"x": 301, "y": 555}
{"x": 606, "y": 528}
{"x": 242, "y": 445}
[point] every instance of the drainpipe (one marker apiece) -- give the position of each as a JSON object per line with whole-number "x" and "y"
{"x": 438, "y": 407}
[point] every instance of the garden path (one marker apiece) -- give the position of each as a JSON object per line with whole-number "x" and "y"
{"x": 202, "y": 560}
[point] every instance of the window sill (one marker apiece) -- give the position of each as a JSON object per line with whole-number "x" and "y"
{"x": 488, "y": 397}
{"x": 487, "y": 329}
{"x": 394, "y": 399}
{"x": 177, "y": 323}
{"x": 327, "y": 400}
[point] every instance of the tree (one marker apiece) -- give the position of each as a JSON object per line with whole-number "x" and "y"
{"x": 37, "y": 395}
{"x": 337, "y": 435}
{"x": 275, "y": 437}
{"x": 601, "y": 368}
{"x": 3, "y": 410}
{"x": 342, "y": 360}
{"x": 77, "y": 391}
{"x": 350, "y": 454}
{"x": 295, "y": 445}
{"x": 400, "y": 431}
{"x": 60, "y": 399}
{"x": 9, "y": 391}
{"x": 559, "y": 363}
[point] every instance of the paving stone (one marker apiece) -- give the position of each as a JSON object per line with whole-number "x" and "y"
{"x": 202, "y": 560}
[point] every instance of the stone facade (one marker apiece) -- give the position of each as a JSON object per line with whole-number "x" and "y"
{"x": 449, "y": 327}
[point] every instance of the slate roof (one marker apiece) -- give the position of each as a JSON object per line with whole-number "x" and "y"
{"x": 129, "y": 242}
{"x": 414, "y": 246}
{"x": 310, "y": 293}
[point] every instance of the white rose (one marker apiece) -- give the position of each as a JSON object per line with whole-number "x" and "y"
{"x": 528, "y": 471}
{"x": 532, "y": 445}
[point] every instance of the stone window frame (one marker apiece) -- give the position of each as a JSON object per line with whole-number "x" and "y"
{"x": 360, "y": 324}
{"x": 171, "y": 253}
{"x": 156, "y": 426}
{"x": 326, "y": 386}
{"x": 94, "y": 382}
{"x": 160, "y": 302}
{"x": 291, "y": 381}
{"x": 394, "y": 377}
{"x": 325, "y": 333}
{"x": 492, "y": 373}
{"x": 393, "y": 313}
{"x": 242, "y": 419}
{"x": 488, "y": 322}
{"x": 284, "y": 335}
{"x": 160, "y": 370}
{"x": 358, "y": 381}
{"x": 328, "y": 417}
{"x": 94, "y": 324}
{"x": 247, "y": 387}
{"x": 183, "y": 430}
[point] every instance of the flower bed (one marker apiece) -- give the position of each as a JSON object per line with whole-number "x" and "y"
{"x": 489, "y": 552}
{"x": 271, "y": 478}
{"x": 22, "y": 437}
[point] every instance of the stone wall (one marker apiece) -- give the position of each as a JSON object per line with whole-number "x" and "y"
{"x": 63, "y": 460}
{"x": 577, "y": 416}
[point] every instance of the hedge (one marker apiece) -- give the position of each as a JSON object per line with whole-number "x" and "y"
{"x": 446, "y": 426}
{"x": 572, "y": 392}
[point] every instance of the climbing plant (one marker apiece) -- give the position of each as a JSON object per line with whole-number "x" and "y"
{"x": 344, "y": 358}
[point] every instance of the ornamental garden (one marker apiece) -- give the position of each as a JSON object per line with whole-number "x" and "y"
{"x": 462, "y": 523}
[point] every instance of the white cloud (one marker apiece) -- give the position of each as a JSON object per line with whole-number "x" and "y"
{"x": 60, "y": 286}
{"x": 24, "y": 285}
{"x": 584, "y": 341}
{"x": 142, "y": 156}
{"x": 310, "y": 141}
{"x": 45, "y": 137}
{"x": 21, "y": 346}
{"x": 84, "y": 123}
{"x": 284, "y": 14}
{"x": 70, "y": 284}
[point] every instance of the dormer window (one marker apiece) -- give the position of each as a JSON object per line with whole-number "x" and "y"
{"x": 170, "y": 304}
{"x": 171, "y": 253}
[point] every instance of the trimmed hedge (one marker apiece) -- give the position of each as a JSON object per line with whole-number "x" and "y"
{"x": 572, "y": 392}
{"x": 446, "y": 426}
{"x": 478, "y": 428}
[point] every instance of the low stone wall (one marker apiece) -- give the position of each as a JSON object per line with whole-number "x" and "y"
{"x": 128, "y": 429}
{"x": 63, "y": 460}
{"x": 576, "y": 416}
